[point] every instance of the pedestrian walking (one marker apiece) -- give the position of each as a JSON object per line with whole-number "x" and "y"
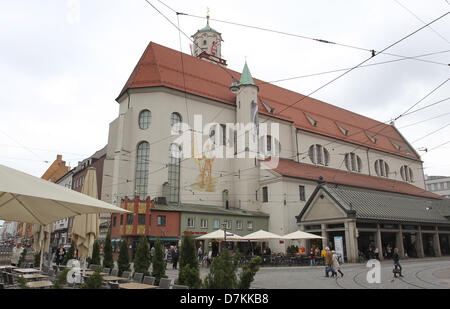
{"x": 336, "y": 266}
{"x": 328, "y": 262}
{"x": 312, "y": 255}
{"x": 200, "y": 254}
{"x": 397, "y": 266}
{"x": 152, "y": 253}
{"x": 166, "y": 256}
{"x": 16, "y": 253}
{"x": 174, "y": 257}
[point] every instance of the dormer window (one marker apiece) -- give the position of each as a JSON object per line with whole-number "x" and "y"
{"x": 371, "y": 138}
{"x": 311, "y": 120}
{"x": 268, "y": 107}
{"x": 398, "y": 147}
{"x": 342, "y": 129}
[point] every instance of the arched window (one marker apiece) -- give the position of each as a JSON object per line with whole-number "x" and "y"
{"x": 175, "y": 119}
{"x": 381, "y": 168}
{"x": 142, "y": 167}
{"x": 145, "y": 118}
{"x": 353, "y": 162}
{"x": 225, "y": 199}
{"x": 319, "y": 155}
{"x": 406, "y": 173}
{"x": 174, "y": 173}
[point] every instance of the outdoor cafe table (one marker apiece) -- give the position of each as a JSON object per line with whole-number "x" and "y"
{"x": 91, "y": 272}
{"x": 114, "y": 278}
{"x": 7, "y": 267}
{"x": 39, "y": 284}
{"x": 136, "y": 286}
{"x": 26, "y": 270}
{"x": 34, "y": 276}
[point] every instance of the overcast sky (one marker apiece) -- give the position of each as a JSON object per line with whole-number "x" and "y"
{"x": 63, "y": 63}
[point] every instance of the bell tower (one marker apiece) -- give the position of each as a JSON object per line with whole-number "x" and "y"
{"x": 208, "y": 44}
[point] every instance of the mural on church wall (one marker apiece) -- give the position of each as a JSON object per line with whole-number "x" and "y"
{"x": 205, "y": 180}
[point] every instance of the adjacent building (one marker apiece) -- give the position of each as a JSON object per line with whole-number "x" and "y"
{"x": 439, "y": 185}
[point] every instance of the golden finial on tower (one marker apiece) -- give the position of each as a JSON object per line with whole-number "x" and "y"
{"x": 207, "y": 15}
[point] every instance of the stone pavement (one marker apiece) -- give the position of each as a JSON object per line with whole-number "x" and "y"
{"x": 432, "y": 273}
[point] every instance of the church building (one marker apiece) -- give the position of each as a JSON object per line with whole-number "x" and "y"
{"x": 321, "y": 168}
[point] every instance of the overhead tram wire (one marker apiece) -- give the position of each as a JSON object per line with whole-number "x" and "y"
{"x": 344, "y": 69}
{"x": 431, "y": 133}
{"x": 345, "y": 73}
{"x": 422, "y": 121}
{"x": 423, "y": 22}
{"x": 431, "y": 92}
{"x": 373, "y": 52}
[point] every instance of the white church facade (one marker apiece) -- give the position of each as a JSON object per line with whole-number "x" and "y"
{"x": 319, "y": 145}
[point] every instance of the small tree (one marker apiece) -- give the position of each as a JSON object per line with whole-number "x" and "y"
{"x": 189, "y": 270}
{"x": 61, "y": 279}
{"x": 222, "y": 274}
{"x": 108, "y": 260}
{"x": 70, "y": 255}
{"x": 23, "y": 256}
{"x": 37, "y": 259}
{"x": 248, "y": 273}
{"x": 159, "y": 266}
{"x": 95, "y": 254}
{"x": 95, "y": 281}
{"x": 124, "y": 257}
{"x": 22, "y": 282}
{"x": 142, "y": 258}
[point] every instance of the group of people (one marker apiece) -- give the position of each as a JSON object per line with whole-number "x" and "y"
{"x": 332, "y": 263}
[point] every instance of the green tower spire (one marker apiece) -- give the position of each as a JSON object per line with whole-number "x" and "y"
{"x": 246, "y": 76}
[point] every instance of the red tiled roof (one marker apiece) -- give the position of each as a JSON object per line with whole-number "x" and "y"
{"x": 294, "y": 169}
{"x": 162, "y": 66}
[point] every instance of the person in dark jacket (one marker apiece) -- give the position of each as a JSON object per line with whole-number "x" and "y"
{"x": 60, "y": 254}
{"x": 396, "y": 259}
{"x": 174, "y": 257}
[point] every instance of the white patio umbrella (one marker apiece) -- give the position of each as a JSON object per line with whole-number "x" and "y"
{"x": 25, "y": 198}
{"x": 297, "y": 235}
{"x": 41, "y": 237}
{"x": 86, "y": 226}
{"x": 261, "y": 236}
{"x": 220, "y": 235}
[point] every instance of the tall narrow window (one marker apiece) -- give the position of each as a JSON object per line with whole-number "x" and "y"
{"x": 265, "y": 195}
{"x": 174, "y": 173}
{"x": 175, "y": 121}
{"x": 145, "y": 118}
{"x": 142, "y": 167}
{"x": 302, "y": 193}
{"x": 225, "y": 199}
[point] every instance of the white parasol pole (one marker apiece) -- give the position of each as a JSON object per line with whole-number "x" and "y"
{"x": 42, "y": 248}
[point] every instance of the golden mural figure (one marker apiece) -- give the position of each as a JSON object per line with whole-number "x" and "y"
{"x": 205, "y": 180}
